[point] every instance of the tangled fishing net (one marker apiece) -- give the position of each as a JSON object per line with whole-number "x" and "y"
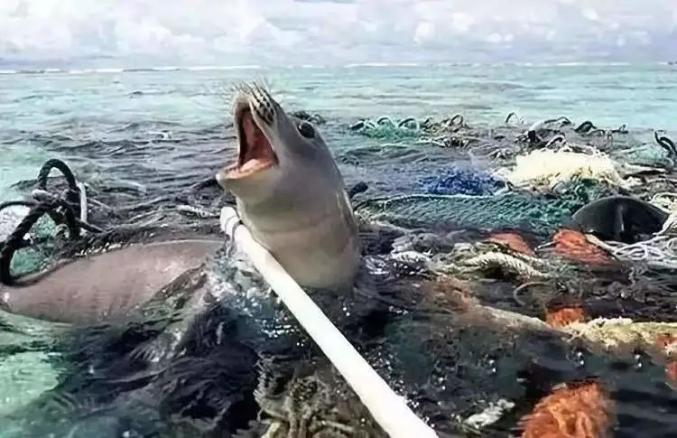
{"x": 549, "y": 168}
{"x": 583, "y": 409}
{"x": 623, "y": 335}
{"x": 465, "y": 181}
{"x": 574, "y": 245}
{"x": 387, "y": 129}
{"x": 489, "y": 258}
{"x": 465, "y": 198}
{"x": 532, "y": 212}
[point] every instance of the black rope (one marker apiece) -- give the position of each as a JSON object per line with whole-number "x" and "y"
{"x": 563, "y": 120}
{"x": 8, "y": 204}
{"x": 381, "y": 120}
{"x": 405, "y": 122}
{"x": 57, "y": 218}
{"x": 16, "y": 240}
{"x": 25, "y": 242}
{"x": 585, "y": 127}
{"x": 666, "y": 144}
{"x": 55, "y": 163}
{"x": 357, "y": 125}
{"x": 510, "y": 116}
{"x": 72, "y": 194}
{"x": 360, "y": 187}
{"x": 457, "y": 120}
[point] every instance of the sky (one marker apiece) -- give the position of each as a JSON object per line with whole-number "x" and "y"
{"x": 334, "y": 32}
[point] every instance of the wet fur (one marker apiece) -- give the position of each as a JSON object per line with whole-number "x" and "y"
{"x": 103, "y": 286}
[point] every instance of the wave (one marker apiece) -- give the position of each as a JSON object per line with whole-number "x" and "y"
{"x": 383, "y": 64}
{"x": 108, "y": 70}
{"x": 83, "y": 71}
{"x": 30, "y": 71}
{"x": 168, "y": 68}
{"x": 224, "y": 67}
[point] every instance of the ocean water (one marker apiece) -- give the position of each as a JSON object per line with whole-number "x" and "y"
{"x": 157, "y": 131}
{"x": 39, "y": 110}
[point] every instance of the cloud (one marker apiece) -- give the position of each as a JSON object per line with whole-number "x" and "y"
{"x": 336, "y": 31}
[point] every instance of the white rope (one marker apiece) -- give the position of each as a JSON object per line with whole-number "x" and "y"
{"x": 388, "y": 409}
{"x": 83, "y": 201}
{"x": 659, "y": 251}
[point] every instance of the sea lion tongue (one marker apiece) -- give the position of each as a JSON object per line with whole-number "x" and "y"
{"x": 256, "y": 152}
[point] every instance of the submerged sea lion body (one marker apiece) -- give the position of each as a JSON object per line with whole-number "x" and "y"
{"x": 290, "y": 193}
{"x": 620, "y": 218}
{"x": 107, "y": 285}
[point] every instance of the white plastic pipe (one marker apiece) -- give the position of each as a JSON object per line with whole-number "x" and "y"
{"x": 83, "y": 201}
{"x": 388, "y": 409}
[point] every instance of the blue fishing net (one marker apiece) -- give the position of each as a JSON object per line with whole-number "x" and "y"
{"x": 457, "y": 180}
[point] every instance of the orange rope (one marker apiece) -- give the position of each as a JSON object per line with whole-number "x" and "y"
{"x": 571, "y": 411}
{"x": 573, "y": 245}
{"x": 562, "y": 317}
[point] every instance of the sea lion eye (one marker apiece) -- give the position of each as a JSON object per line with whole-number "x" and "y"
{"x": 306, "y": 130}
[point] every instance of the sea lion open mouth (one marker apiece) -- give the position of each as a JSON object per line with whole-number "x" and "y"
{"x": 290, "y": 193}
{"x": 255, "y": 151}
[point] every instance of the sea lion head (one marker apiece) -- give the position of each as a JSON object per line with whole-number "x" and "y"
{"x": 279, "y": 155}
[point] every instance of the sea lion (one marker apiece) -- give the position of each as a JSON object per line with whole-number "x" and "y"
{"x": 103, "y": 286}
{"x": 619, "y": 218}
{"x": 290, "y": 193}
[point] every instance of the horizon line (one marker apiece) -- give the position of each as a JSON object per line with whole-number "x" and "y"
{"x": 173, "y": 68}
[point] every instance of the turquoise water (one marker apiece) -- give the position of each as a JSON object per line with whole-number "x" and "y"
{"x": 41, "y": 108}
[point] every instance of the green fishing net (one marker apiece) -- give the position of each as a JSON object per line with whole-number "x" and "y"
{"x": 534, "y": 212}
{"x": 386, "y": 128}
{"x": 645, "y": 155}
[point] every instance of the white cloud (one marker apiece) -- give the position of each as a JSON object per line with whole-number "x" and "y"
{"x": 424, "y": 31}
{"x": 461, "y": 22}
{"x": 312, "y": 31}
{"x": 590, "y": 14}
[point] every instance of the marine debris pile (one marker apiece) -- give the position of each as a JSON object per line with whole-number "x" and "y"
{"x": 557, "y": 227}
{"x": 520, "y": 282}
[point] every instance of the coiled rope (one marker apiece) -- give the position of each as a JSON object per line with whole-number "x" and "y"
{"x": 61, "y": 210}
{"x": 506, "y": 263}
{"x": 72, "y": 195}
{"x": 16, "y": 240}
